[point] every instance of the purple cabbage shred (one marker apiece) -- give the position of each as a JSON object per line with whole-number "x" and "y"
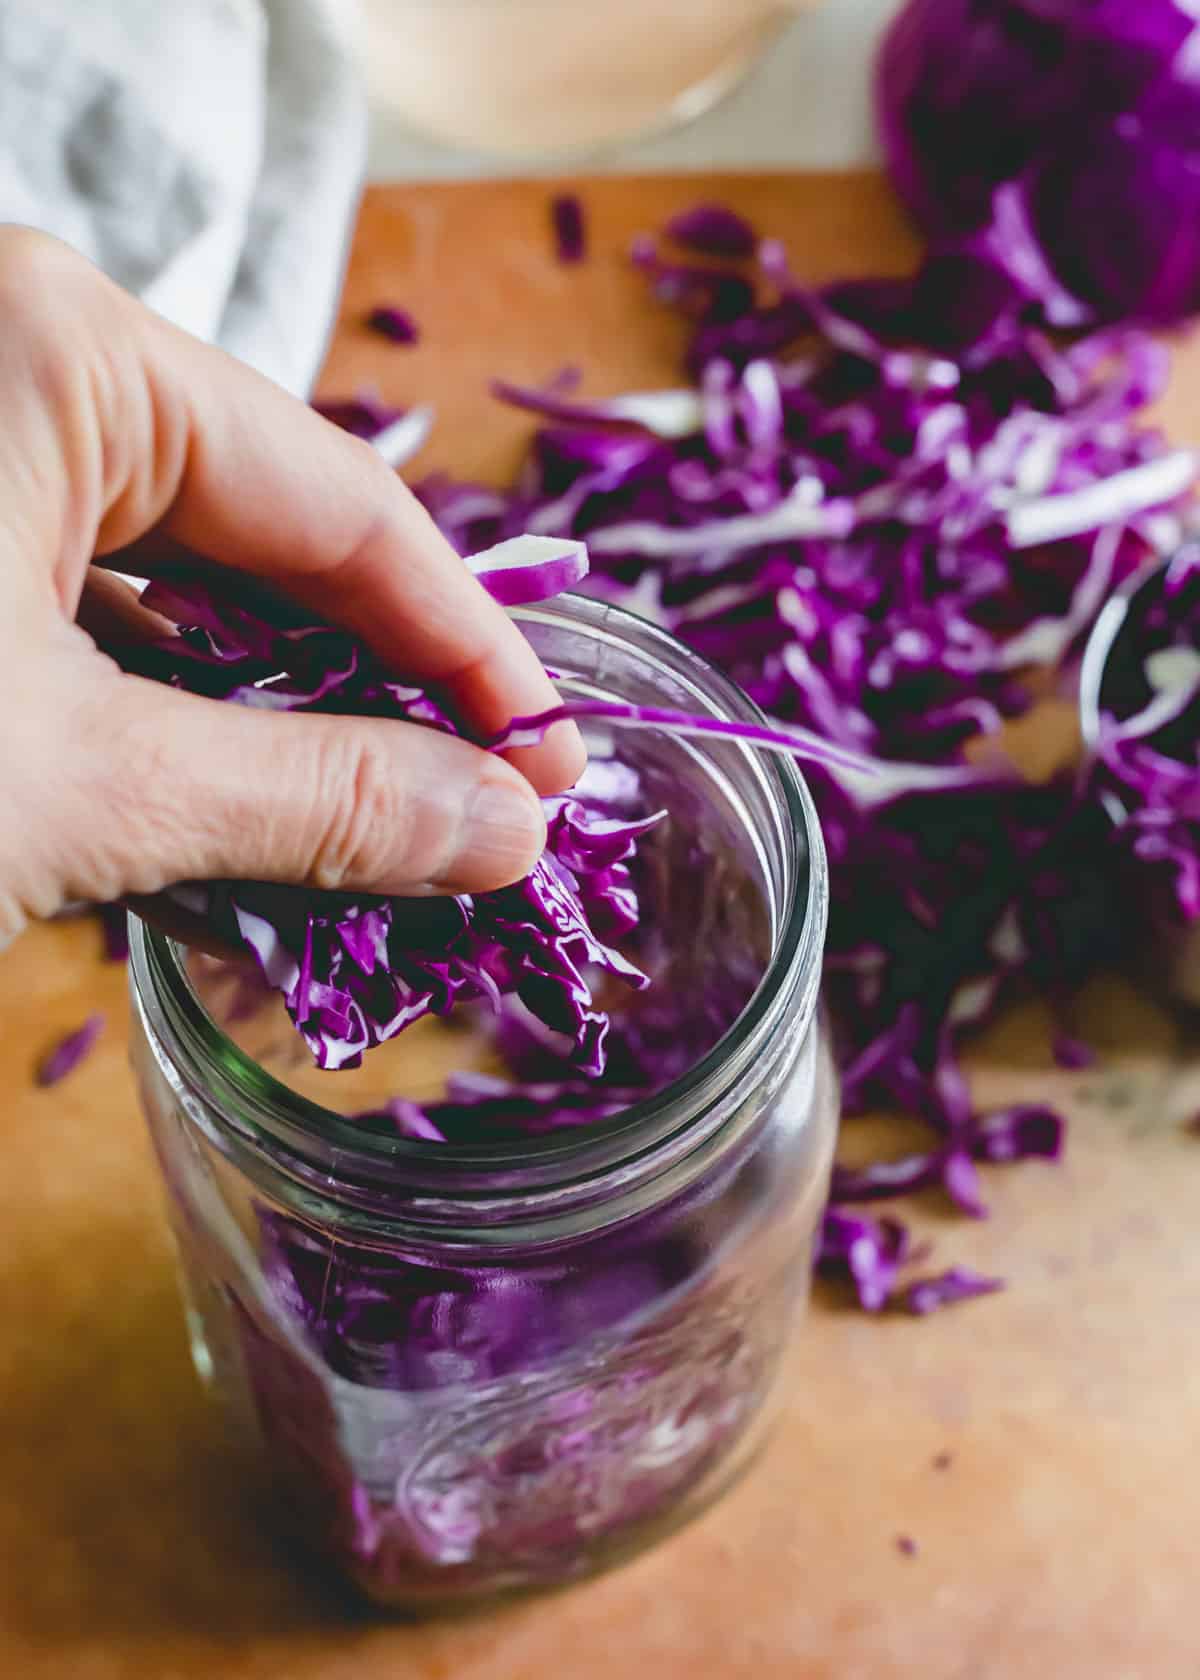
{"x": 67, "y": 1054}
{"x": 1071, "y": 1052}
{"x": 864, "y": 1252}
{"x": 364, "y": 415}
{"x": 114, "y": 927}
{"x": 926, "y": 1295}
{"x": 714, "y": 230}
{"x": 396, "y": 325}
{"x": 570, "y": 230}
{"x": 397, "y": 434}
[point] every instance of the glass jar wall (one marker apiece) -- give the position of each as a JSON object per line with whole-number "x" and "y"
{"x": 504, "y": 1362}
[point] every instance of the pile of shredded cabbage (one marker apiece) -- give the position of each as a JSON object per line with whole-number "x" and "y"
{"x": 354, "y": 971}
{"x": 890, "y": 509}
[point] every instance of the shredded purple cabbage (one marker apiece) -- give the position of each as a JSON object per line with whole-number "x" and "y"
{"x": 114, "y": 925}
{"x": 897, "y": 512}
{"x": 394, "y": 324}
{"x": 1071, "y": 1052}
{"x": 927, "y": 1295}
{"x": 396, "y": 433}
{"x": 478, "y": 1104}
{"x": 570, "y": 231}
{"x": 714, "y": 230}
{"x": 365, "y": 415}
{"x": 67, "y": 1054}
{"x": 520, "y": 1482}
{"x": 355, "y": 972}
{"x": 865, "y": 1252}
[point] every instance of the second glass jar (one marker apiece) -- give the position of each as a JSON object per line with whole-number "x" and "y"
{"x": 552, "y": 77}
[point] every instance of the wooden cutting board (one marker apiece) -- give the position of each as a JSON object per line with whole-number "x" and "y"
{"x": 1059, "y": 1538}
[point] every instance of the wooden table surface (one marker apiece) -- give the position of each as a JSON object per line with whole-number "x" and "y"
{"x": 1060, "y": 1539}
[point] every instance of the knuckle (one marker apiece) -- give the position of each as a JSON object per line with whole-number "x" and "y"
{"x": 129, "y": 769}
{"x": 363, "y": 820}
{"x": 34, "y": 269}
{"x": 66, "y": 333}
{"x": 377, "y": 533}
{"x": 27, "y": 251}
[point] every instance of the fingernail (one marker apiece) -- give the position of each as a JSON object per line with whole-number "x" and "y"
{"x": 557, "y": 762}
{"x": 568, "y": 740}
{"x": 500, "y": 837}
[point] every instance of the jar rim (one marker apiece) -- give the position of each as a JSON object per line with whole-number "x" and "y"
{"x": 276, "y": 1116}
{"x": 1102, "y": 641}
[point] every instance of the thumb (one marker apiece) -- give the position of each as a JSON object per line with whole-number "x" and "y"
{"x": 184, "y": 788}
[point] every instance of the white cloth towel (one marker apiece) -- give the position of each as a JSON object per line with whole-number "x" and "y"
{"x": 206, "y": 153}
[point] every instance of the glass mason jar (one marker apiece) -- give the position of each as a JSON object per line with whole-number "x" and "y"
{"x": 528, "y": 77}
{"x": 471, "y": 1368}
{"x": 1112, "y": 680}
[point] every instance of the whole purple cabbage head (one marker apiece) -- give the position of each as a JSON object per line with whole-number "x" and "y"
{"x": 1066, "y": 133}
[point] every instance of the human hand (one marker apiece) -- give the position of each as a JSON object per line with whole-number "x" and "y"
{"x": 128, "y": 441}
